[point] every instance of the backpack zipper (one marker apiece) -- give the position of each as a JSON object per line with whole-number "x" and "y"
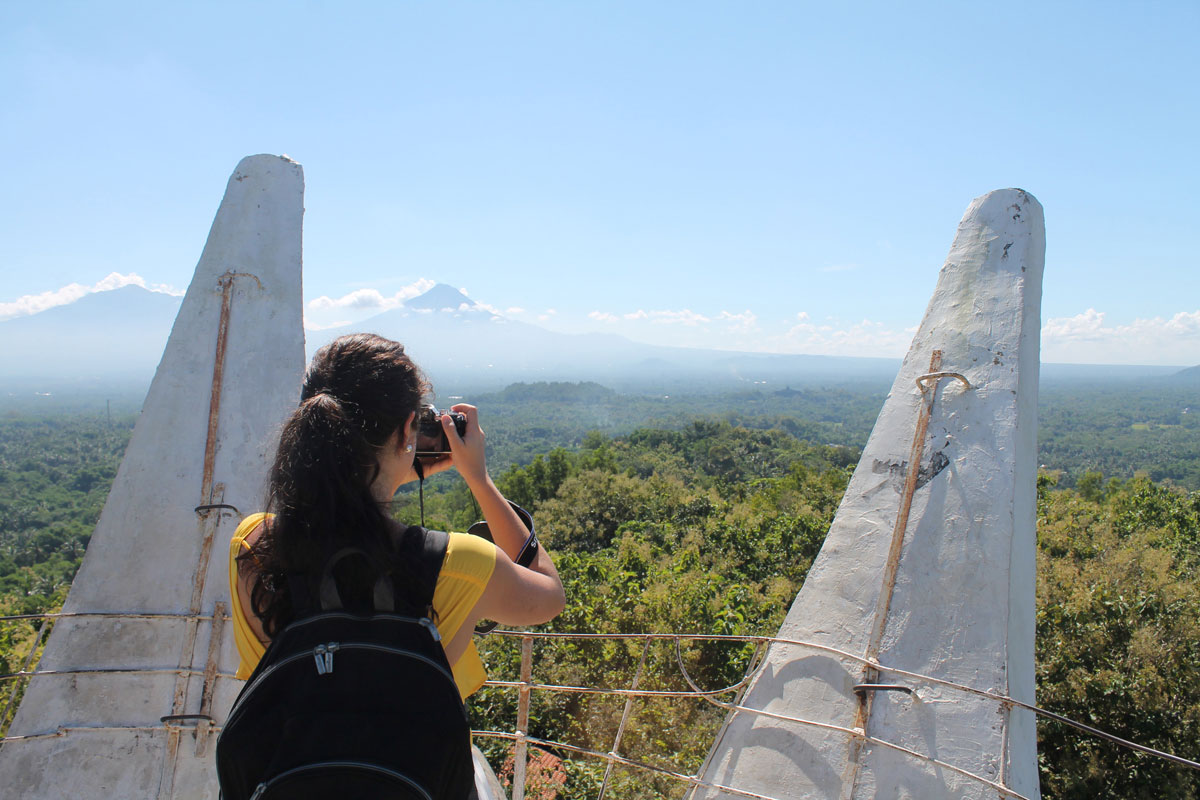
{"x": 424, "y": 622}
{"x": 427, "y": 624}
{"x": 320, "y": 653}
{"x": 323, "y": 654}
{"x": 262, "y": 787}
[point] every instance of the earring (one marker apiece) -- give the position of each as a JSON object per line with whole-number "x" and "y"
{"x": 408, "y": 448}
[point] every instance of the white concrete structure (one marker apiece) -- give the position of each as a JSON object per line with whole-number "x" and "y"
{"x": 148, "y": 658}
{"x": 928, "y": 566}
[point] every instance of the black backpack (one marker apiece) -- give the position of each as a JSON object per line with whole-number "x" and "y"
{"x": 351, "y": 705}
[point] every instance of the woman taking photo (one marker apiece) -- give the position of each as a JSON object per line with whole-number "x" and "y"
{"x": 342, "y": 456}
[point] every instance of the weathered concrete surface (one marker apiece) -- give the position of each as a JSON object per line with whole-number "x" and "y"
{"x": 147, "y": 554}
{"x": 963, "y": 605}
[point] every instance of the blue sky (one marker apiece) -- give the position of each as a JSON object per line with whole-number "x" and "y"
{"x": 763, "y": 176}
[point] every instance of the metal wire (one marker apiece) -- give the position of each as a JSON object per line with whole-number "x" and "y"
{"x": 708, "y": 695}
{"x": 629, "y": 762}
{"x": 112, "y": 615}
{"x": 857, "y": 734}
{"x": 705, "y": 694}
{"x": 12, "y": 676}
{"x": 60, "y": 732}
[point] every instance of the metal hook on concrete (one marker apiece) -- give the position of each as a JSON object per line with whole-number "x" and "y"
{"x": 861, "y": 689}
{"x": 203, "y": 510}
{"x": 935, "y": 376}
{"x": 227, "y": 279}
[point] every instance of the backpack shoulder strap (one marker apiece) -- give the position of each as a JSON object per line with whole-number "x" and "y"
{"x": 384, "y": 591}
{"x": 430, "y": 555}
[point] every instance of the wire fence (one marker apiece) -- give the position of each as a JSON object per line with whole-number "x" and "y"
{"x": 728, "y": 699}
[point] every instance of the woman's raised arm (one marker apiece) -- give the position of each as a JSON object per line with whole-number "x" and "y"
{"x": 515, "y": 595}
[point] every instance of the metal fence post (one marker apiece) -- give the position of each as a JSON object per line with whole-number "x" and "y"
{"x": 637, "y": 679}
{"x": 520, "y": 756}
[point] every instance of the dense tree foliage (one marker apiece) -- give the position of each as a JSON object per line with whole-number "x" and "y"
{"x": 712, "y": 528}
{"x": 55, "y": 473}
{"x": 1122, "y": 429}
{"x": 708, "y": 529}
{"x": 682, "y": 515}
{"x": 1118, "y": 639}
{"x": 1117, "y": 428}
{"x": 525, "y": 420}
{"x": 54, "y": 477}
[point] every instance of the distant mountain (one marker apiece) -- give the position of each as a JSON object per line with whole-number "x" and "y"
{"x": 115, "y": 339}
{"x": 118, "y": 334}
{"x": 1189, "y": 376}
{"x": 459, "y": 342}
{"x": 442, "y": 297}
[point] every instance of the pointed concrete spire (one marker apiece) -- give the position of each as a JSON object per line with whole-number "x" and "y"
{"x": 929, "y": 563}
{"x": 145, "y": 657}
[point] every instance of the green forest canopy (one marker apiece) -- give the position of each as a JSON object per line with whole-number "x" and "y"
{"x": 710, "y": 525}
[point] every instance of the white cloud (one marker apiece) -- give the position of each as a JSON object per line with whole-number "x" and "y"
{"x": 682, "y": 317}
{"x": 1087, "y": 326}
{"x": 1184, "y": 323}
{"x": 485, "y": 306}
{"x": 312, "y": 326}
{"x": 514, "y": 310}
{"x": 371, "y": 299}
{"x": 747, "y": 330}
{"x": 1086, "y": 338}
{"x": 358, "y": 299}
{"x": 33, "y": 303}
{"x": 865, "y": 338}
{"x": 744, "y": 322}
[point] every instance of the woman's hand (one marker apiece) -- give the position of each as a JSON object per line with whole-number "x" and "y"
{"x": 515, "y": 595}
{"x": 468, "y": 452}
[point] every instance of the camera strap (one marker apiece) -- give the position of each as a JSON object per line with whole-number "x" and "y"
{"x": 420, "y": 470}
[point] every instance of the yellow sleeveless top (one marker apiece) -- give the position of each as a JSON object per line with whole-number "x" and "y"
{"x": 465, "y": 572}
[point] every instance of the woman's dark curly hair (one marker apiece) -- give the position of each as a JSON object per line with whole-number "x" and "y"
{"x": 358, "y": 391}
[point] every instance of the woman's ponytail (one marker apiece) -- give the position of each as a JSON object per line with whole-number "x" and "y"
{"x": 359, "y": 390}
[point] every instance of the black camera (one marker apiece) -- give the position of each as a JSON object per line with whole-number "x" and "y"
{"x": 431, "y": 438}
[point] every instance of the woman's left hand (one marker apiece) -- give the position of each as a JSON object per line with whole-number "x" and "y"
{"x": 469, "y": 451}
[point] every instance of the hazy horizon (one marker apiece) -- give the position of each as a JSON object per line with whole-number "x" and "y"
{"x": 781, "y": 177}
